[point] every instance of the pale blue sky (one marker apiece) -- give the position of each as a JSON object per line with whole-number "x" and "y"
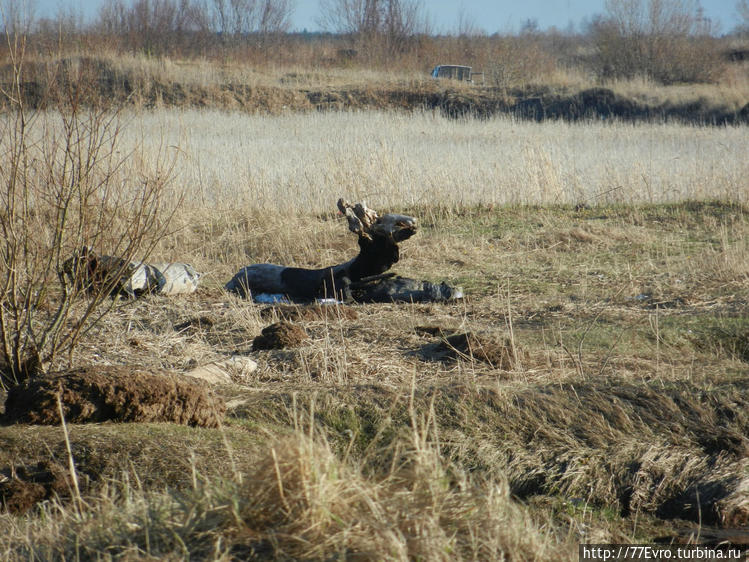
{"x": 489, "y": 15}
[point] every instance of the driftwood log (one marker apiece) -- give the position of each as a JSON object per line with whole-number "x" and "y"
{"x": 93, "y": 272}
{"x": 378, "y": 238}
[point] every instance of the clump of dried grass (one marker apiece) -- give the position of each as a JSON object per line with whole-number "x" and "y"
{"x": 299, "y": 500}
{"x": 726, "y": 260}
{"x": 633, "y": 446}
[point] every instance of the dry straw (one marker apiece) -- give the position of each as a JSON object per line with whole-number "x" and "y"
{"x": 304, "y": 162}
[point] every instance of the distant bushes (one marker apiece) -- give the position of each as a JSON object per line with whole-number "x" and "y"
{"x": 665, "y": 40}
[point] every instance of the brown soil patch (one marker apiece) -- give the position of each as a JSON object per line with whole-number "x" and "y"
{"x": 280, "y": 335}
{"x": 498, "y": 352}
{"x": 431, "y": 330}
{"x": 310, "y": 313}
{"x": 734, "y": 511}
{"x": 195, "y": 325}
{"x": 21, "y": 489}
{"x": 122, "y": 394}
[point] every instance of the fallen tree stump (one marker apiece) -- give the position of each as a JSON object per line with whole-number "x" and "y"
{"x": 111, "y": 393}
{"x": 361, "y": 279}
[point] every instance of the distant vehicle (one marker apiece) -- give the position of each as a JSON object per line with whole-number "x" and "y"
{"x": 453, "y": 71}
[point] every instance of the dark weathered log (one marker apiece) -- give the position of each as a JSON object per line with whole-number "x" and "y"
{"x": 365, "y": 280}
{"x": 388, "y": 288}
{"x": 378, "y": 251}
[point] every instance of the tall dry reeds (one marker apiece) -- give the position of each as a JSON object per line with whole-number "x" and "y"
{"x": 301, "y": 162}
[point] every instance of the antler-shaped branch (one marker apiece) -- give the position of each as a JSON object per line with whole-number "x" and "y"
{"x": 367, "y": 223}
{"x": 361, "y": 218}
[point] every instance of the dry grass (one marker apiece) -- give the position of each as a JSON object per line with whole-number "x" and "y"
{"x": 627, "y": 406}
{"x": 731, "y": 92}
{"x": 300, "y": 162}
{"x": 624, "y": 408}
{"x": 212, "y": 75}
{"x": 297, "y": 500}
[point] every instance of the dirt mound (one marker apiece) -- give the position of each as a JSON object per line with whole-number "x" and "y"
{"x": 280, "y": 335}
{"x": 309, "y": 313}
{"x": 734, "y": 510}
{"x": 122, "y": 394}
{"x": 499, "y": 352}
{"x": 23, "y": 487}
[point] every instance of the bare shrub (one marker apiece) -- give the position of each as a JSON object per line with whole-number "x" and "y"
{"x": 168, "y": 27}
{"x": 517, "y": 61}
{"x": 64, "y": 184}
{"x": 155, "y": 27}
{"x": 666, "y": 40}
{"x": 381, "y": 28}
{"x": 238, "y": 17}
{"x": 742, "y": 8}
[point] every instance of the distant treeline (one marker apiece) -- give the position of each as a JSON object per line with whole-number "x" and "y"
{"x": 667, "y": 41}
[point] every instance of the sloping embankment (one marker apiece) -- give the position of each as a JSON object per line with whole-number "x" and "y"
{"x": 676, "y": 451}
{"x": 95, "y": 82}
{"x": 592, "y": 103}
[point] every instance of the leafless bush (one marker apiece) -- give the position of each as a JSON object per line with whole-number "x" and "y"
{"x": 17, "y": 17}
{"x": 237, "y": 17}
{"x": 742, "y": 8}
{"x": 666, "y": 40}
{"x": 156, "y": 27}
{"x": 380, "y": 27}
{"x": 63, "y": 185}
{"x": 517, "y": 61}
{"x": 169, "y": 27}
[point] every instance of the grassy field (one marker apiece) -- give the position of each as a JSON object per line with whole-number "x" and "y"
{"x": 604, "y": 399}
{"x": 304, "y": 161}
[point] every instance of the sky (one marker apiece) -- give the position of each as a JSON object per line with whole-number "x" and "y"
{"x": 489, "y": 15}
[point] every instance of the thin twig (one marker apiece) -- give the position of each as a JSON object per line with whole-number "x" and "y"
{"x": 71, "y": 462}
